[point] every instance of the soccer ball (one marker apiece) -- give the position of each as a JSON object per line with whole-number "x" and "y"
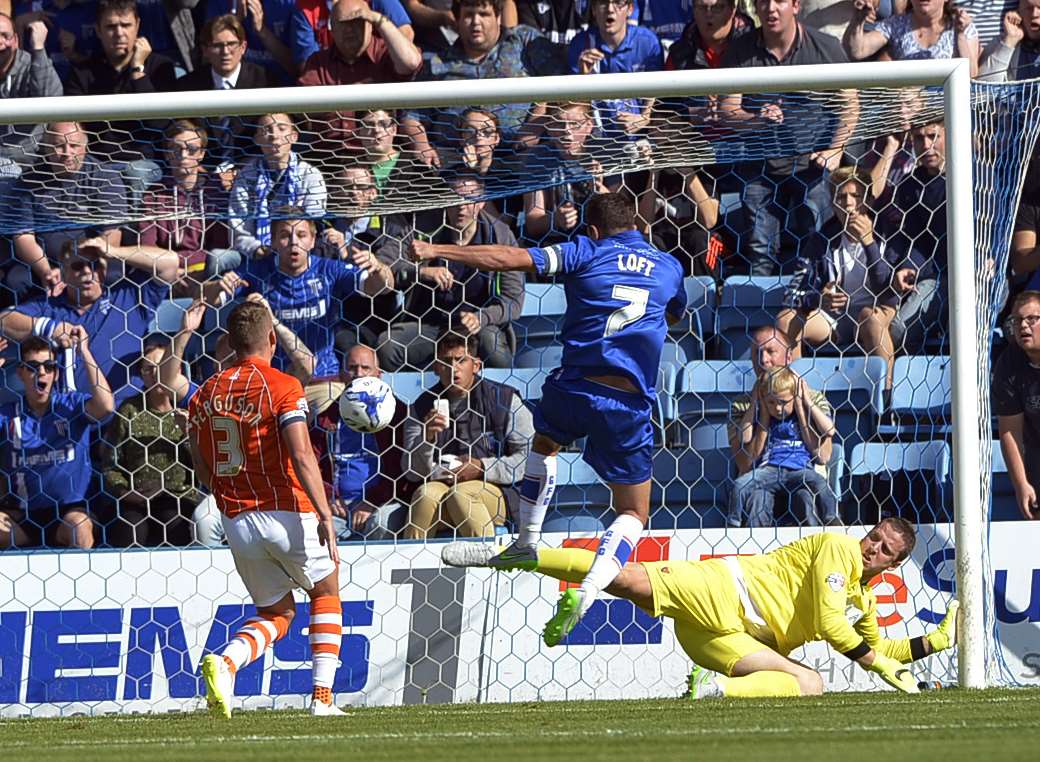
{"x": 367, "y": 405}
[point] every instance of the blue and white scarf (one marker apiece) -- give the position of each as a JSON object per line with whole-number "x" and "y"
{"x": 266, "y": 185}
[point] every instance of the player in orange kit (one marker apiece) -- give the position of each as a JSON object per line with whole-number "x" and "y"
{"x": 249, "y": 441}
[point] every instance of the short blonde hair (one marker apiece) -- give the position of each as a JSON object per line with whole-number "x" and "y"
{"x": 780, "y": 380}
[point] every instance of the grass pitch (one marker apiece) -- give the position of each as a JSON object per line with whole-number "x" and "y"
{"x": 942, "y": 725}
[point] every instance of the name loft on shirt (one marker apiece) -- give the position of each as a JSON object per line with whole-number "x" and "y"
{"x": 240, "y": 407}
{"x": 635, "y": 263}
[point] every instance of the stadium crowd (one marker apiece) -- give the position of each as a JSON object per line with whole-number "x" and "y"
{"x": 105, "y": 223}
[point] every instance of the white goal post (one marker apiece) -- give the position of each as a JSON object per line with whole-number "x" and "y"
{"x": 952, "y": 76}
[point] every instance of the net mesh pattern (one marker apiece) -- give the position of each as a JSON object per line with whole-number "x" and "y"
{"x": 740, "y": 196}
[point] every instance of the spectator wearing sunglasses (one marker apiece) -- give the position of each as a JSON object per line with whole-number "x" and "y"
{"x": 44, "y": 448}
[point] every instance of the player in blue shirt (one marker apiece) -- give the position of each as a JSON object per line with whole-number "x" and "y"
{"x": 45, "y": 448}
{"x": 305, "y": 293}
{"x": 621, "y": 295}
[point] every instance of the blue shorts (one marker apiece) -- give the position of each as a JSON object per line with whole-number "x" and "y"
{"x": 617, "y": 424}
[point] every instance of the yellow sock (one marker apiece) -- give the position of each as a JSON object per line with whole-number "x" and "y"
{"x": 568, "y": 564}
{"x": 760, "y": 685}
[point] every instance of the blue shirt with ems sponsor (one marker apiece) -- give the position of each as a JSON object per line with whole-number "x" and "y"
{"x": 47, "y": 458}
{"x": 619, "y": 291}
{"x": 785, "y": 447}
{"x": 117, "y": 325}
{"x": 308, "y": 303}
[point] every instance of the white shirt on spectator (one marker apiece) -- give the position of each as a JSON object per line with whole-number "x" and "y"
{"x": 230, "y": 82}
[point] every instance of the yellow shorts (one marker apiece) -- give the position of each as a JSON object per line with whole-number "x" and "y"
{"x": 702, "y": 599}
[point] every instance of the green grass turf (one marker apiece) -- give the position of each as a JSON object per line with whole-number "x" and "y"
{"x": 942, "y": 725}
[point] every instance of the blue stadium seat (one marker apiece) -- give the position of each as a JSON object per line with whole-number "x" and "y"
{"x": 168, "y": 316}
{"x": 547, "y": 356}
{"x": 704, "y": 393}
{"x": 540, "y": 317}
{"x": 854, "y": 386}
{"x": 408, "y": 386}
{"x": 746, "y": 303}
{"x": 692, "y": 484}
{"x": 528, "y": 381}
{"x": 1005, "y": 504}
{"x": 902, "y": 478}
{"x": 702, "y": 302}
{"x": 581, "y": 500}
{"x": 921, "y": 394}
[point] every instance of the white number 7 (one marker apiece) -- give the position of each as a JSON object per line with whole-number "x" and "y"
{"x": 635, "y": 308}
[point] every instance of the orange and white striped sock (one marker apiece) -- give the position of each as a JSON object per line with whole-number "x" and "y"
{"x": 326, "y": 633}
{"x": 250, "y": 642}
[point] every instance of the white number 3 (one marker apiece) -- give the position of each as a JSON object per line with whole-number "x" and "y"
{"x": 635, "y": 308}
{"x": 229, "y": 448}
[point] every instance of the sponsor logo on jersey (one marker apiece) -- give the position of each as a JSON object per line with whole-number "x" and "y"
{"x": 312, "y": 312}
{"x": 836, "y": 581}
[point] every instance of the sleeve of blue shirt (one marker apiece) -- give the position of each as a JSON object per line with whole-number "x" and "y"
{"x": 676, "y": 306}
{"x": 35, "y": 308}
{"x": 393, "y": 10}
{"x": 71, "y": 407}
{"x": 302, "y": 40}
{"x": 560, "y": 258}
{"x": 345, "y": 279}
{"x": 252, "y": 271}
{"x": 653, "y": 58}
{"x": 192, "y": 388}
{"x": 574, "y": 50}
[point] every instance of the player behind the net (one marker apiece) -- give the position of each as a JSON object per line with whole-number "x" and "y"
{"x": 250, "y": 445}
{"x": 737, "y": 618}
{"x": 621, "y": 295}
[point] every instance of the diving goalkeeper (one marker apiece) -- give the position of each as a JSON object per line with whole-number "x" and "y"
{"x": 738, "y": 617}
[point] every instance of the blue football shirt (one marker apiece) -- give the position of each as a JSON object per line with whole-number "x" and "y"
{"x": 619, "y": 291}
{"x": 47, "y": 458}
{"x": 308, "y": 303}
{"x": 785, "y": 447}
{"x": 117, "y": 325}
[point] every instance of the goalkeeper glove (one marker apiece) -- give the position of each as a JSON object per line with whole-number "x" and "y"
{"x": 894, "y": 672}
{"x": 945, "y": 635}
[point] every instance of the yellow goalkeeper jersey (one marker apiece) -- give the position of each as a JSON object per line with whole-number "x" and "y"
{"x": 812, "y": 589}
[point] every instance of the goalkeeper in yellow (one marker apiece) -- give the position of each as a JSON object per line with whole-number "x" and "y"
{"x": 738, "y": 617}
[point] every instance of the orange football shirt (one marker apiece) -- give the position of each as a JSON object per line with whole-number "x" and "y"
{"x": 236, "y": 418}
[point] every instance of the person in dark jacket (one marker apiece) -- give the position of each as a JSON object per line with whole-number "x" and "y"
{"x": 23, "y": 74}
{"x": 445, "y": 295}
{"x": 125, "y": 65}
{"x": 466, "y": 440}
{"x": 223, "y": 46}
{"x": 847, "y": 284}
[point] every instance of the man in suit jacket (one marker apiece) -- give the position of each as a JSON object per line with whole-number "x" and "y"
{"x": 223, "y": 47}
